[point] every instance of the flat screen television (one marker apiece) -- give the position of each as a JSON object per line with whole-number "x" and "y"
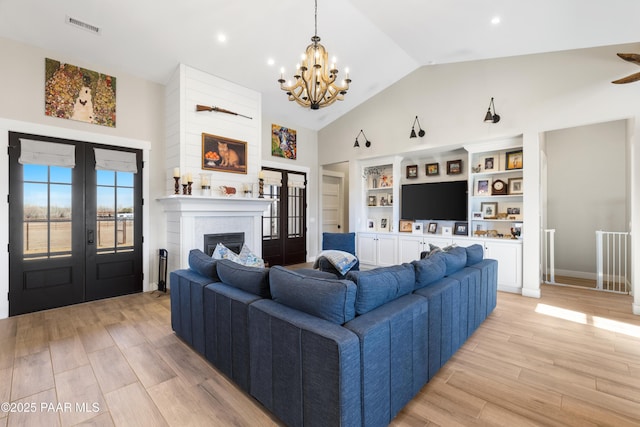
{"x": 445, "y": 201}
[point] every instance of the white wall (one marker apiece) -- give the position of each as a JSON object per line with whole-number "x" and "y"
{"x": 587, "y": 175}
{"x": 533, "y": 94}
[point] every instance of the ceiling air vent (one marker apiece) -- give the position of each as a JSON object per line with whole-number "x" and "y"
{"x": 80, "y": 24}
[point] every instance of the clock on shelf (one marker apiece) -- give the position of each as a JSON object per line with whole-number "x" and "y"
{"x": 498, "y": 188}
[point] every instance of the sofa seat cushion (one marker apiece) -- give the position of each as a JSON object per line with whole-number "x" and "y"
{"x": 381, "y": 285}
{"x": 203, "y": 264}
{"x": 329, "y": 299}
{"x": 429, "y": 270}
{"x": 254, "y": 280}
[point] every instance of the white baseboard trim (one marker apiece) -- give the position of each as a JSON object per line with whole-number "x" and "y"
{"x": 531, "y": 293}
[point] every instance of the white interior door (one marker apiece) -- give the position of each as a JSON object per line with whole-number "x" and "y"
{"x": 332, "y": 202}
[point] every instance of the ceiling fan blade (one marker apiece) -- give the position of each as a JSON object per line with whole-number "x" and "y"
{"x": 629, "y": 79}
{"x": 631, "y": 57}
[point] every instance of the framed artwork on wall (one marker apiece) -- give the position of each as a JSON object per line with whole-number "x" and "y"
{"x": 454, "y": 167}
{"x": 412, "y": 171}
{"x": 75, "y": 93}
{"x": 223, "y": 154}
{"x": 432, "y": 169}
{"x": 284, "y": 142}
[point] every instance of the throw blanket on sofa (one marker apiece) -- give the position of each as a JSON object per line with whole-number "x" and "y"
{"x": 341, "y": 260}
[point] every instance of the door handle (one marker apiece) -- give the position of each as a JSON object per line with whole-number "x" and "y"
{"x": 90, "y": 237}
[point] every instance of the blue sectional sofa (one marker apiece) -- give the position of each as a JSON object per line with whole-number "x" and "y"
{"x": 316, "y": 349}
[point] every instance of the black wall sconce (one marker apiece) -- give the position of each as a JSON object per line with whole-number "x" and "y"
{"x": 421, "y": 133}
{"x": 367, "y": 143}
{"x": 491, "y": 117}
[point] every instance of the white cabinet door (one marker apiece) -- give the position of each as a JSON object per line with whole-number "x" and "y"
{"x": 409, "y": 248}
{"x": 367, "y": 251}
{"x": 387, "y": 249}
{"x": 377, "y": 249}
{"x": 509, "y": 257}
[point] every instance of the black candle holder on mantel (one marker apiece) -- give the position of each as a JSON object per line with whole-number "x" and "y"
{"x": 176, "y": 186}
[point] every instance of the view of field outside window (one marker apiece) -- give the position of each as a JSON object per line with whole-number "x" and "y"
{"x": 114, "y": 211}
{"x": 48, "y": 218}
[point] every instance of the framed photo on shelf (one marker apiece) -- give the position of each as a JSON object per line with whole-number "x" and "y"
{"x": 412, "y": 171}
{"x": 384, "y": 224}
{"x": 446, "y": 231}
{"x": 373, "y": 201}
{"x": 489, "y": 163}
{"x": 432, "y": 169}
{"x": 406, "y": 225}
{"x": 515, "y": 186}
{"x": 433, "y": 227}
{"x": 383, "y": 201}
{"x": 416, "y": 228}
{"x": 483, "y": 187}
{"x": 460, "y": 228}
{"x": 489, "y": 210}
{"x": 514, "y": 160}
{"x": 454, "y": 167}
{"x": 371, "y": 225}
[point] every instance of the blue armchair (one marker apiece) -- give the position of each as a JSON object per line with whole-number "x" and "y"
{"x": 341, "y": 242}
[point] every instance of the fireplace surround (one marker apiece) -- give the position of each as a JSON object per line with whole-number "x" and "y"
{"x": 189, "y": 218}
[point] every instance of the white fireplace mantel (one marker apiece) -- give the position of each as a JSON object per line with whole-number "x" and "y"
{"x": 189, "y": 218}
{"x": 213, "y": 205}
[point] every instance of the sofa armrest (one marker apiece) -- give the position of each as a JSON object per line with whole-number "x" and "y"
{"x": 393, "y": 344}
{"x": 304, "y": 369}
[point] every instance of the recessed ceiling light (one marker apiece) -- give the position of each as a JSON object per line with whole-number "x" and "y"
{"x": 270, "y": 62}
{"x": 495, "y": 20}
{"x": 222, "y": 38}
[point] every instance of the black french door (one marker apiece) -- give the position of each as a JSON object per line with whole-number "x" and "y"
{"x": 284, "y": 225}
{"x": 75, "y": 232}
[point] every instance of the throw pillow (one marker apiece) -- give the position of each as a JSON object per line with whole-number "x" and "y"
{"x": 329, "y": 299}
{"x": 429, "y": 270}
{"x": 381, "y": 285}
{"x": 223, "y": 252}
{"x": 250, "y": 259}
{"x": 475, "y": 254}
{"x": 203, "y": 264}
{"x": 249, "y": 279}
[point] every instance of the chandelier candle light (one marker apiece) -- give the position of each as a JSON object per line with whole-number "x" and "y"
{"x": 315, "y": 79}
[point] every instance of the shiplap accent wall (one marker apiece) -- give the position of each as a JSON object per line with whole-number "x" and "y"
{"x": 184, "y": 126}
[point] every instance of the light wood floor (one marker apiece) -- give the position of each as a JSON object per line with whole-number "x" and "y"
{"x": 569, "y": 358}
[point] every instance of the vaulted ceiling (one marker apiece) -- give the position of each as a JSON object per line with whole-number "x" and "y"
{"x": 380, "y": 42}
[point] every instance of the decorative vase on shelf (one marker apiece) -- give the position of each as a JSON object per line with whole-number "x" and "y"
{"x": 374, "y": 182}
